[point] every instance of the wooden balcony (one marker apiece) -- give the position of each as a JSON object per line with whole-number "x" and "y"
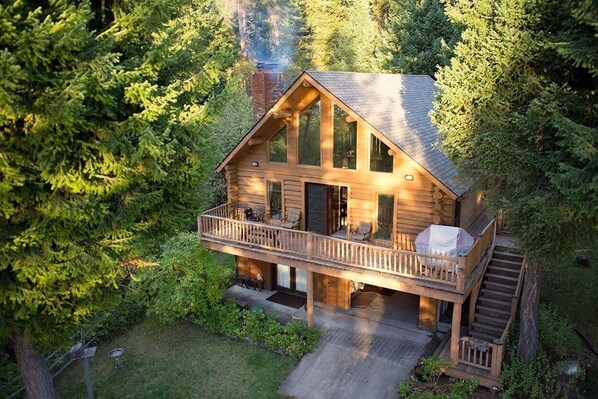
{"x": 222, "y": 225}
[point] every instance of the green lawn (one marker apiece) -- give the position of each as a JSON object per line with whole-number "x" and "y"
{"x": 178, "y": 361}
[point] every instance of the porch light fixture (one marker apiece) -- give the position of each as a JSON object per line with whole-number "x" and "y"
{"x": 255, "y": 164}
{"x": 409, "y": 177}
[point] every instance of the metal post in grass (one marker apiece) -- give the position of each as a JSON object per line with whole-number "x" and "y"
{"x": 77, "y": 352}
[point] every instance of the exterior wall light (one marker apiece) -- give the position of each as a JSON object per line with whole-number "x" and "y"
{"x": 409, "y": 177}
{"x": 255, "y": 164}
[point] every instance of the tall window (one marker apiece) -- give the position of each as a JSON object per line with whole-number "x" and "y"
{"x": 380, "y": 159}
{"x": 278, "y": 147}
{"x": 345, "y": 140}
{"x": 386, "y": 210}
{"x": 309, "y": 135}
{"x": 275, "y": 199}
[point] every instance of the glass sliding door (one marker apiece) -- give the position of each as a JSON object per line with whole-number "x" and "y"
{"x": 283, "y": 276}
{"x": 317, "y": 208}
{"x": 301, "y": 280}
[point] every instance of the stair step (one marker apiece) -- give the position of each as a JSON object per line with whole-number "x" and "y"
{"x": 498, "y": 302}
{"x": 492, "y": 309}
{"x": 490, "y": 319}
{"x": 510, "y": 250}
{"x": 510, "y": 287}
{"x": 483, "y": 326}
{"x": 501, "y": 277}
{"x": 484, "y": 337}
{"x": 508, "y": 255}
{"x": 496, "y": 268}
{"x": 515, "y": 265}
{"x": 502, "y": 294}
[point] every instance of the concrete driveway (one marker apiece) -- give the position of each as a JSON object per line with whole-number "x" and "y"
{"x": 357, "y": 358}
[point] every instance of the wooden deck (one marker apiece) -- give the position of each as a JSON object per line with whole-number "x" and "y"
{"x": 222, "y": 225}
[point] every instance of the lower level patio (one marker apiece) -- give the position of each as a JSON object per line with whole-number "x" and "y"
{"x": 364, "y": 352}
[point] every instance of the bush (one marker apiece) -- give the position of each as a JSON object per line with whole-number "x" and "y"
{"x": 187, "y": 282}
{"x": 539, "y": 378}
{"x": 8, "y": 368}
{"x": 432, "y": 369}
{"x": 292, "y": 339}
{"x": 129, "y": 310}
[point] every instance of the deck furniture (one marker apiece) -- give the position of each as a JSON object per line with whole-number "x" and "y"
{"x": 292, "y": 219}
{"x": 363, "y": 232}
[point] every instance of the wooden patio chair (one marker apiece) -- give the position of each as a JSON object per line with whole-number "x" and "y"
{"x": 363, "y": 232}
{"x": 292, "y": 219}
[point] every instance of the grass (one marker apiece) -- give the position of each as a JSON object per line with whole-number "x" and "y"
{"x": 178, "y": 361}
{"x": 574, "y": 291}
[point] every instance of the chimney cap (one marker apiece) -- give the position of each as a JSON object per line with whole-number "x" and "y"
{"x": 267, "y": 65}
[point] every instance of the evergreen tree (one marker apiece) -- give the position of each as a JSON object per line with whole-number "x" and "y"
{"x": 340, "y": 35}
{"x": 103, "y": 152}
{"x": 420, "y": 37}
{"x": 519, "y": 102}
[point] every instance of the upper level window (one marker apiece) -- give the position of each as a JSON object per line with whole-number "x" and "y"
{"x": 345, "y": 140}
{"x": 309, "y": 135}
{"x": 386, "y": 210}
{"x": 275, "y": 199}
{"x": 278, "y": 147}
{"x": 380, "y": 159}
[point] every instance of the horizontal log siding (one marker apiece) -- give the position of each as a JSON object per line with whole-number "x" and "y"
{"x": 471, "y": 208}
{"x": 414, "y": 201}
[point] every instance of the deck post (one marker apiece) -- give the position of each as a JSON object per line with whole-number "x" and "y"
{"x": 199, "y": 225}
{"x": 310, "y": 299}
{"x": 310, "y": 244}
{"x": 455, "y": 333}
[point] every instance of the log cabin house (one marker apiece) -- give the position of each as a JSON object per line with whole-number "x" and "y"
{"x": 341, "y": 151}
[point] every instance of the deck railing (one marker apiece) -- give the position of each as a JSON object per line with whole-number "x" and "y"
{"x": 226, "y": 223}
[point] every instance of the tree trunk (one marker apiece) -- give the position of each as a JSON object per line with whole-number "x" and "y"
{"x": 530, "y": 302}
{"x": 37, "y": 378}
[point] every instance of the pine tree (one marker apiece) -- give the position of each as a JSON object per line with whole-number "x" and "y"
{"x": 103, "y": 152}
{"x": 420, "y": 37}
{"x": 518, "y": 102}
{"x": 340, "y": 35}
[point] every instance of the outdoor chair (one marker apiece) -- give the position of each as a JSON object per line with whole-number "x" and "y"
{"x": 363, "y": 232}
{"x": 292, "y": 219}
{"x": 251, "y": 216}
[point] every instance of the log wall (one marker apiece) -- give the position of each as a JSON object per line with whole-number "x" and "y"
{"x": 418, "y": 203}
{"x": 332, "y": 291}
{"x": 251, "y": 267}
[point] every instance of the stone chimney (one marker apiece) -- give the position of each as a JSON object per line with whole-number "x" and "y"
{"x": 266, "y": 87}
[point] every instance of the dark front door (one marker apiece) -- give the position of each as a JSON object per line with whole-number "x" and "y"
{"x": 317, "y": 205}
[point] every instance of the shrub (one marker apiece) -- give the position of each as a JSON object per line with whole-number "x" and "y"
{"x": 556, "y": 335}
{"x": 187, "y": 282}
{"x": 432, "y": 369}
{"x": 129, "y": 310}
{"x": 8, "y": 368}
{"x": 540, "y": 378}
{"x": 292, "y": 339}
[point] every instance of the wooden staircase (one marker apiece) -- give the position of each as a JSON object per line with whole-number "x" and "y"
{"x": 494, "y": 303}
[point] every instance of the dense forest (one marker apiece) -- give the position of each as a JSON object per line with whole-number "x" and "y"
{"x": 113, "y": 115}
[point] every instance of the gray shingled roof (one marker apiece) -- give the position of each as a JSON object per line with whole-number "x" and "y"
{"x": 398, "y": 106}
